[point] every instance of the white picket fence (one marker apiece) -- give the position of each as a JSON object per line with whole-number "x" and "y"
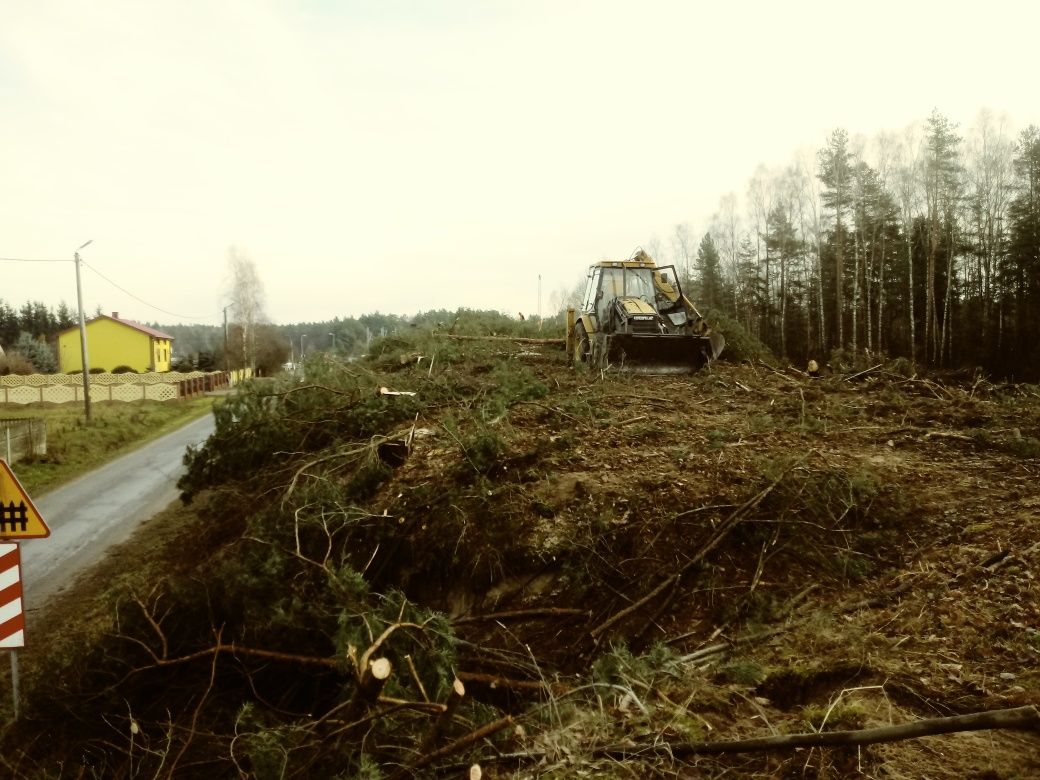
{"x": 68, "y": 388}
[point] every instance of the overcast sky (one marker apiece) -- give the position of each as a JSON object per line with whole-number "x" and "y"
{"x": 403, "y": 156}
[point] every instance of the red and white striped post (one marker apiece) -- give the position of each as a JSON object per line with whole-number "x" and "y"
{"x": 12, "y": 617}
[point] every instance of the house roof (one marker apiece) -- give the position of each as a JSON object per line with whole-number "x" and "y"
{"x": 155, "y": 334}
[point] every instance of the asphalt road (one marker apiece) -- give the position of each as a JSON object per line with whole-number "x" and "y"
{"x": 103, "y": 508}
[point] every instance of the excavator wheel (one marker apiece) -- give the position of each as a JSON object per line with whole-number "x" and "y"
{"x": 582, "y": 345}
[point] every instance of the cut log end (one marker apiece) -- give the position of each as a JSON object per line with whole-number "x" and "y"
{"x": 380, "y": 668}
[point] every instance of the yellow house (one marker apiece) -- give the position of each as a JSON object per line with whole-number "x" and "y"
{"x": 114, "y": 342}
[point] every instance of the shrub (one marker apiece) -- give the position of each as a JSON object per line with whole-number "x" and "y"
{"x": 742, "y": 672}
{"x": 123, "y": 370}
{"x": 902, "y": 366}
{"x": 740, "y": 345}
{"x": 38, "y": 353}
{"x": 16, "y": 363}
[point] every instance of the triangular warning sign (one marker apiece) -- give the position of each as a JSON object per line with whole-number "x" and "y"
{"x": 19, "y": 518}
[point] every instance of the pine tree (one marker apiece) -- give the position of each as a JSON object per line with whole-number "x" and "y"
{"x": 835, "y": 164}
{"x": 783, "y": 243}
{"x": 9, "y": 325}
{"x": 709, "y": 268}
{"x": 1022, "y": 267}
{"x": 750, "y": 286}
{"x": 37, "y": 352}
{"x": 64, "y": 317}
{"x": 942, "y": 194}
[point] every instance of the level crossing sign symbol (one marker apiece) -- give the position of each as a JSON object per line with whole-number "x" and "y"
{"x": 19, "y": 517}
{"x": 13, "y": 518}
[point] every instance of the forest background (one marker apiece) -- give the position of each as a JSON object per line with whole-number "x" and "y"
{"x": 923, "y": 245}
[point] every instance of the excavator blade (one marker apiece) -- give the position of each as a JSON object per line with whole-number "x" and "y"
{"x": 660, "y": 354}
{"x": 718, "y": 343}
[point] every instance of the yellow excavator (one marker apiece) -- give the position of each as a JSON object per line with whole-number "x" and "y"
{"x": 635, "y": 317}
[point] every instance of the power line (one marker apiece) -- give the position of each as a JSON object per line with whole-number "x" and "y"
{"x": 118, "y": 287}
{"x": 34, "y": 260}
{"x": 139, "y": 299}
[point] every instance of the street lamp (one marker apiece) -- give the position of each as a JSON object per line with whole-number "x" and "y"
{"x": 83, "y": 336}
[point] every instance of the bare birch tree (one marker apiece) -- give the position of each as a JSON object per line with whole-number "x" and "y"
{"x": 942, "y": 191}
{"x": 246, "y": 293}
{"x": 908, "y": 175}
{"x": 811, "y": 225}
{"x": 683, "y": 250}
{"x": 725, "y": 229}
{"x": 760, "y": 198}
{"x": 990, "y": 152}
{"x": 885, "y": 147}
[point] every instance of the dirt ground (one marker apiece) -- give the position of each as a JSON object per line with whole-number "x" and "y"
{"x": 887, "y": 571}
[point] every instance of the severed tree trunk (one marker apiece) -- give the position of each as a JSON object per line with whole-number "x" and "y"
{"x": 371, "y": 679}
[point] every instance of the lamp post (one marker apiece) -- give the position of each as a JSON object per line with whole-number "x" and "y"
{"x": 83, "y": 338}
{"x": 333, "y": 341}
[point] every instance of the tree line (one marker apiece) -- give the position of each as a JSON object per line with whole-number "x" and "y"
{"x": 924, "y": 245}
{"x": 29, "y": 335}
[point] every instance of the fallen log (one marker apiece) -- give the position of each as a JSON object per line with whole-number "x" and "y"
{"x": 1016, "y": 719}
{"x": 858, "y": 374}
{"x": 455, "y": 697}
{"x": 516, "y": 339}
{"x": 498, "y": 681}
{"x": 522, "y": 614}
{"x": 464, "y": 742}
{"x": 716, "y": 538}
{"x": 436, "y": 731}
{"x": 950, "y": 435}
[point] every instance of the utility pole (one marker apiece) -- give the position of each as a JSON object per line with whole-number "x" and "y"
{"x": 539, "y": 302}
{"x": 83, "y": 339}
{"x": 227, "y": 359}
